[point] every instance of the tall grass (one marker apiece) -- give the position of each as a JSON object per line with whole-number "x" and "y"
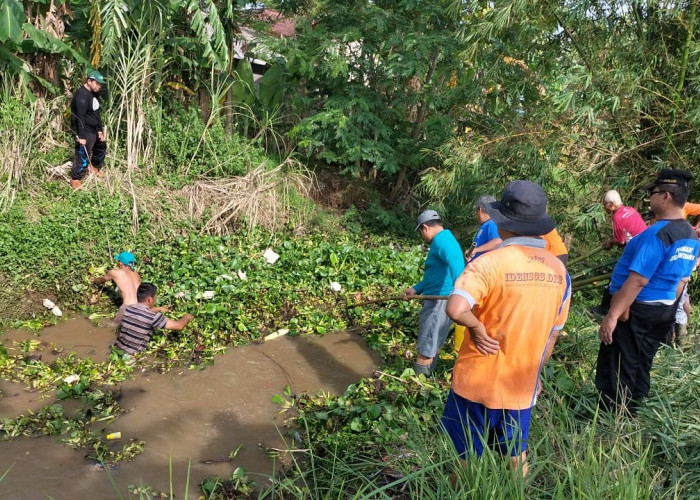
{"x": 575, "y": 450}
{"x": 23, "y": 132}
{"x": 133, "y": 70}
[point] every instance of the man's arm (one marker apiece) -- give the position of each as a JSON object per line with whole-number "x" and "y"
{"x": 180, "y": 323}
{"x": 620, "y": 303}
{"x": 81, "y": 108}
{"x": 550, "y": 346}
{"x": 608, "y": 244}
{"x": 460, "y": 311}
{"x": 488, "y": 246}
{"x": 109, "y": 276}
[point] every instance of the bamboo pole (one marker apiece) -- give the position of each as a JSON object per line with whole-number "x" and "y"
{"x": 585, "y": 256}
{"x": 584, "y": 272}
{"x": 593, "y": 279}
{"x": 400, "y": 297}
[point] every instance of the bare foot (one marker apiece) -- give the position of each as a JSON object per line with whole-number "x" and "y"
{"x": 76, "y": 184}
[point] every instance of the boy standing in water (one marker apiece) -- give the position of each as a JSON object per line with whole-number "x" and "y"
{"x": 140, "y": 319}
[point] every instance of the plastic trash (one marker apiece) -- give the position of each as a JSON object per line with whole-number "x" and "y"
{"x": 71, "y": 379}
{"x": 271, "y": 256}
{"x": 209, "y": 294}
{"x": 114, "y": 435}
{"x": 179, "y": 295}
{"x": 48, "y": 304}
{"x": 336, "y": 287}
{"x": 56, "y": 311}
{"x": 242, "y": 275}
{"x": 279, "y": 333}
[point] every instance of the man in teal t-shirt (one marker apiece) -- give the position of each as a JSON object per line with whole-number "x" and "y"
{"x": 445, "y": 262}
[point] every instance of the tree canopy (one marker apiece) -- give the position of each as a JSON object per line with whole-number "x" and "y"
{"x": 444, "y": 100}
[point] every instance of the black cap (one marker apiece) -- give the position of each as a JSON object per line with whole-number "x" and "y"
{"x": 680, "y": 178}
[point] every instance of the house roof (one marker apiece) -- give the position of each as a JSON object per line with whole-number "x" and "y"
{"x": 283, "y": 27}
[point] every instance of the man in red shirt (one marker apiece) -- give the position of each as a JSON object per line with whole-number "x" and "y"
{"x": 626, "y": 221}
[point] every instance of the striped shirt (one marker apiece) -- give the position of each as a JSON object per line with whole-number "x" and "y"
{"x": 137, "y": 327}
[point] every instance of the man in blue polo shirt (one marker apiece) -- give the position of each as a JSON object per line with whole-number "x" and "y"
{"x": 645, "y": 284}
{"x": 486, "y": 238}
{"x": 445, "y": 262}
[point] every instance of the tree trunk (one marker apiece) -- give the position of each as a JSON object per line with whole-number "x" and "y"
{"x": 422, "y": 114}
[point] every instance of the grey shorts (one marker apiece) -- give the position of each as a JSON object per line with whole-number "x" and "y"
{"x": 433, "y": 327}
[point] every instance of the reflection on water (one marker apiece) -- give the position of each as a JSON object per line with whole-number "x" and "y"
{"x": 195, "y": 417}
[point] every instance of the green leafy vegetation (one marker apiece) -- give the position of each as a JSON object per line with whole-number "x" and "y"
{"x": 416, "y": 103}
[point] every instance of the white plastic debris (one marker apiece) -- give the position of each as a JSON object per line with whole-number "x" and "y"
{"x": 179, "y": 295}
{"x": 208, "y": 295}
{"x": 226, "y": 276}
{"x": 56, "y": 311}
{"x": 271, "y": 256}
{"x": 48, "y": 304}
{"x": 336, "y": 287}
{"x": 279, "y": 333}
{"x": 242, "y": 275}
{"x": 71, "y": 379}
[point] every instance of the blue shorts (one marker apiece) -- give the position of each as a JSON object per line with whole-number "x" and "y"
{"x": 472, "y": 426}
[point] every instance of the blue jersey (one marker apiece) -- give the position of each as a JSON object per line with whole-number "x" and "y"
{"x": 445, "y": 262}
{"x": 487, "y": 231}
{"x": 664, "y": 254}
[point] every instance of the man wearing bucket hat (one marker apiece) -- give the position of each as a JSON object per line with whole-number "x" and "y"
{"x": 443, "y": 264}
{"x": 646, "y": 284}
{"x": 513, "y": 300}
{"x": 86, "y": 125}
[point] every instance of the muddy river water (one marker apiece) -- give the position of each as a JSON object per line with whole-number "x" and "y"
{"x": 185, "y": 417}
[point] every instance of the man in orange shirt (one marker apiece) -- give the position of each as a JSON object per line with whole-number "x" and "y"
{"x": 513, "y": 300}
{"x": 556, "y": 246}
{"x": 691, "y": 209}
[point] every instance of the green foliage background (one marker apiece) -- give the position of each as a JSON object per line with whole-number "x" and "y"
{"x": 420, "y": 104}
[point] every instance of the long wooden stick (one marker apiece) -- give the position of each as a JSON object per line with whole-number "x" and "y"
{"x": 400, "y": 297}
{"x": 592, "y": 279}
{"x": 588, "y": 271}
{"x": 585, "y": 256}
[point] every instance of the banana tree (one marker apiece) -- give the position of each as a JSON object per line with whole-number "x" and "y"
{"x": 30, "y": 42}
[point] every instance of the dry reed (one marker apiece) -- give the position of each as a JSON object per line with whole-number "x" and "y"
{"x": 261, "y": 197}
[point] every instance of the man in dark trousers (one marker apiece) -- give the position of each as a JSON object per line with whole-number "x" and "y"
{"x": 86, "y": 125}
{"x": 645, "y": 286}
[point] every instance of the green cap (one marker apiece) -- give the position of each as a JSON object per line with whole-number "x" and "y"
{"x": 97, "y": 76}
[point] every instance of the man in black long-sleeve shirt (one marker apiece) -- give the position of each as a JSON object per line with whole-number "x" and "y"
{"x": 86, "y": 125}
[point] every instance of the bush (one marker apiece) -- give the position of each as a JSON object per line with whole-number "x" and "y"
{"x": 187, "y": 145}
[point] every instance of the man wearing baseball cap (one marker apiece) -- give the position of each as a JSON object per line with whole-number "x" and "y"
{"x": 444, "y": 263}
{"x": 86, "y": 125}
{"x": 513, "y": 300}
{"x": 646, "y": 284}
